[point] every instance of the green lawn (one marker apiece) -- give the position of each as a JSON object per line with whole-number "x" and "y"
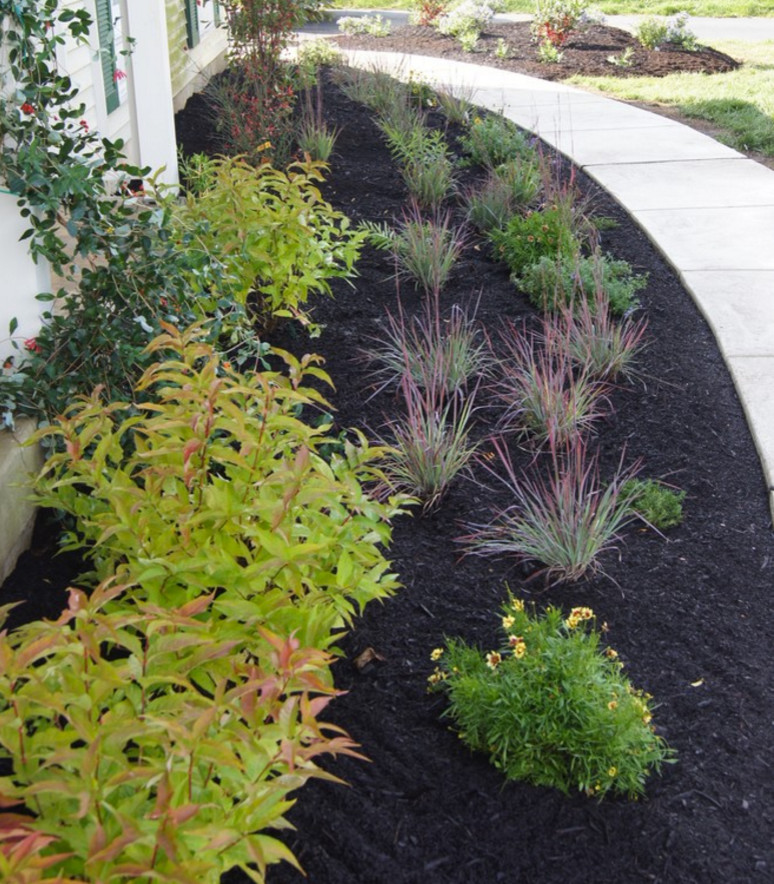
{"x": 719, "y": 8}
{"x": 740, "y": 102}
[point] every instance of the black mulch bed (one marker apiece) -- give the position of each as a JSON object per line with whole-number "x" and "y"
{"x": 689, "y": 613}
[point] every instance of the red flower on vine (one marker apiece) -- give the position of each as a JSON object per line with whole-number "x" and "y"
{"x": 33, "y": 346}
{"x": 27, "y": 108}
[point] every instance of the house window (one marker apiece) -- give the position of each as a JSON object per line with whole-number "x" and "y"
{"x": 191, "y": 23}
{"x": 201, "y": 16}
{"x": 107, "y": 53}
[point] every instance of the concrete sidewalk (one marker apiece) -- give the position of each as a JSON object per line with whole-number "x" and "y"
{"x": 707, "y": 208}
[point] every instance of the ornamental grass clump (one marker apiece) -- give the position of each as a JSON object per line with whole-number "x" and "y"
{"x": 506, "y": 191}
{"x": 430, "y": 442}
{"x": 541, "y": 392}
{"x": 444, "y": 352}
{"x": 603, "y": 347}
{"x": 562, "y": 519}
{"x": 551, "y": 706}
{"x": 424, "y": 250}
{"x": 424, "y": 159}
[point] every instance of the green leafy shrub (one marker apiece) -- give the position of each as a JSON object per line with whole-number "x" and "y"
{"x": 652, "y": 32}
{"x": 551, "y": 707}
{"x": 146, "y": 746}
{"x": 555, "y": 281}
{"x": 492, "y": 140}
{"x": 467, "y": 19}
{"x": 216, "y": 484}
{"x": 540, "y": 234}
{"x": 555, "y": 20}
{"x": 654, "y": 503}
{"x": 372, "y": 25}
{"x": 278, "y": 240}
{"x": 123, "y": 270}
{"x": 655, "y": 32}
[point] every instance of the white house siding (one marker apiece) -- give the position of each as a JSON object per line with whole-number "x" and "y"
{"x": 191, "y": 68}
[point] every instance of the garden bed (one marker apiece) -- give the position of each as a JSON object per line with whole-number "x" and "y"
{"x": 587, "y": 52}
{"x": 688, "y": 612}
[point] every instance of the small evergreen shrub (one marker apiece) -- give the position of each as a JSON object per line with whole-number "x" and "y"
{"x": 551, "y": 706}
{"x": 654, "y": 503}
{"x": 553, "y": 282}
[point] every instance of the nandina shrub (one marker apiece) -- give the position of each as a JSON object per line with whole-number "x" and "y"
{"x": 253, "y": 114}
{"x": 426, "y": 12}
{"x": 550, "y": 706}
{"x": 279, "y": 241}
{"x": 143, "y": 745}
{"x": 555, "y": 20}
{"x": 215, "y": 485}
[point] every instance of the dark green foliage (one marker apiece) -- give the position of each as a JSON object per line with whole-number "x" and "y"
{"x": 656, "y": 504}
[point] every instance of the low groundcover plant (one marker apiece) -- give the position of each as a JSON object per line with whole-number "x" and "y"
{"x": 551, "y": 706}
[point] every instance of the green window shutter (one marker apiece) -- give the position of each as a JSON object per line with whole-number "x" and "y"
{"x": 107, "y": 53}
{"x": 216, "y": 7}
{"x": 191, "y": 23}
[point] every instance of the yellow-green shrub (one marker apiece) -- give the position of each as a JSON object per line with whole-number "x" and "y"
{"x": 278, "y": 239}
{"x": 215, "y": 485}
{"x": 143, "y": 747}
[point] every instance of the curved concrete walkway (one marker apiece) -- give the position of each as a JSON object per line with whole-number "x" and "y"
{"x": 707, "y": 208}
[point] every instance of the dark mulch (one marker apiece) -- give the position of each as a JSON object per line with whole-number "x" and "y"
{"x": 689, "y": 613}
{"x": 586, "y": 52}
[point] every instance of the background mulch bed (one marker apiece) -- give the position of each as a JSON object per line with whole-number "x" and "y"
{"x": 586, "y": 52}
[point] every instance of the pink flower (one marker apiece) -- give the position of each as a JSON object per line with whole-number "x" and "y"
{"x": 84, "y": 125}
{"x": 33, "y": 346}
{"x": 118, "y": 75}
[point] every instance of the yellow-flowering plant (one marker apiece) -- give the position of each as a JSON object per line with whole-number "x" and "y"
{"x": 551, "y": 706}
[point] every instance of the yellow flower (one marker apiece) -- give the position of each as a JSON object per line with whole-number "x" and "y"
{"x": 508, "y": 622}
{"x": 437, "y": 654}
{"x": 612, "y": 654}
{"x": 612, "y": 771}
{"x": 571, "y": 622}
{"x": 613, "y": 704}
{"x": 477, "y": 121}
{"x": 647, "y": 718}
{"x": 436, "y": 677}
{"x": 493, "y": 659}
{"x": 518, "y": 605}
{"x": 581, "y": 614}
{"x": 519, "y": 648}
